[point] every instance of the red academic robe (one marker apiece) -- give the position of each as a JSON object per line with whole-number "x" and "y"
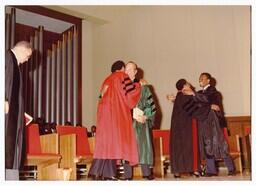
{"x": 115, "y": 137}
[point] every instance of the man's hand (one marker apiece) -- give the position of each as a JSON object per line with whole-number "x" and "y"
{"x": 143, "y": 82}
{"x": 171, "y": 97}
{"x": 215, "y": 107}
{"x": 6, "y": 107}
{"x": 141, "y": 119}
{"x": 104, "y": 90}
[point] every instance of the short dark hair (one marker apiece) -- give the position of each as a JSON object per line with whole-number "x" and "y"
{"x": 118, "y": 65}
{"x": 180, "y": 84}
{"x": 207, "y": 75}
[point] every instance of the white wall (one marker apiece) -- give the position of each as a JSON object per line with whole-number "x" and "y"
{"x": 87, "y": 74}
{"x": 169, "y": 43}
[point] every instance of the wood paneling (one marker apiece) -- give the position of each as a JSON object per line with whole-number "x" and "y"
{"x": 238, "y": 125}
{"x": 50, "y": 143}
{"x": 68, "y": 153}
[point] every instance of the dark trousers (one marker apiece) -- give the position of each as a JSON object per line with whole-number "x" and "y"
{"x": 211, "y": 166}
{"x": 145, "y": 169}
{"x": 103, "y": 167}
{"x": 127, "y": 170}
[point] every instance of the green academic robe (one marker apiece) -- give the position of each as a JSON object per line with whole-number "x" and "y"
{"x": 143, "y": 131}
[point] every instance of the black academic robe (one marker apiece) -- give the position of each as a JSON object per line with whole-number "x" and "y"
{"x": 214, "y": 97}
{"x": 14, "y": 119}
{"x": 212, "y": 143}
{"x": 181, "y": 147}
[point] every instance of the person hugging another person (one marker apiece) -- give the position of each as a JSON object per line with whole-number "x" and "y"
{"x": 143, "y": 121}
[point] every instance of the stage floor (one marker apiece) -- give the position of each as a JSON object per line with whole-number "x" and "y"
{"x": 222, "y": 176}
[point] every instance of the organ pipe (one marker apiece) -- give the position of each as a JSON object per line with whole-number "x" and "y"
{"x": 48, "y": 88}
{"x": 13, "y": 21}
{"x": 40, "y": 71}
{"x": 30, "y": 68}
{"x": 53, "y": 84}
{"x": 69, "y": 77}
{"x": 64, "y": 80}
{"x": 58, "y": 84}
{"x": 75, "y": 76}
{"x": 35, "y": 77}
{"x": 7, "y": 31}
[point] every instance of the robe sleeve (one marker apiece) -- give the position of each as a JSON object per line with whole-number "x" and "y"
{"x": 130, "y": 91}
{"x": 197, "y": 106}
{"x": 150, "y": 108}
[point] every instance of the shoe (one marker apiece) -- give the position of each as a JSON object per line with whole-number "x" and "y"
{"x": 196, "y": 174}
{"x": 202, "y": 173}
{"x": 210, "y": 174}
{"x": 94, "y": 177}
{"x": 231, "y": 173}
{"x": 176, "y": 175}
{"x": 110, "y": 179}
{"x": 150, "y": 177}
{"x": 124, "y": 179}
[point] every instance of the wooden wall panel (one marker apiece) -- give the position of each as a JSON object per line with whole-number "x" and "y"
{"x": 238, "y": 125}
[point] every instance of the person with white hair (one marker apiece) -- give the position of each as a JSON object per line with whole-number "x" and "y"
{"x": 14, "y": 109}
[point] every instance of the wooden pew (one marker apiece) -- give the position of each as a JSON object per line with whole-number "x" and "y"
{"x": 163, "y": 153}
{"x": 42, "y": 152}
{"x": 74, "y": 148}
{"x": 159, "y": 157}
{"x": 234, "y": 149}
{"x": 161, "y": 140}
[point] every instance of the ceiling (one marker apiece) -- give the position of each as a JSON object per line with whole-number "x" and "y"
{"x": 99, "y": 14}
{"x": 36, "y": 20}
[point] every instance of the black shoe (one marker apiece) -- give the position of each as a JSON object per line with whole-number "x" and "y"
{"x": 202, "y": 173}
{"x": 210, "y": 174}
{"x": 196, "y": 174}
{"x": 110, "y": 179}
{"x": 124, "y": 179}
{"x": 203, "y": 170}
{"x": 231, "y": 173}
{"x": 150, "y": 177}
{"x": 176, "y": 175}
{"x": 94, "y": 177}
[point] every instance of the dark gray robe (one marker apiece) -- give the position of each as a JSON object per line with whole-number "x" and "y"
{"x": 215, "y": 97}
{"x": 181, "y": 147}
{"x": 14, "y": 119}
{"x": 212, "y": 143}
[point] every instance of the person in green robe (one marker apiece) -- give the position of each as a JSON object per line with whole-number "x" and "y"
{"x": 143, "y": 121}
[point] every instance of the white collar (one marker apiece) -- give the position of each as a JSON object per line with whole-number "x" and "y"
{"x": 206, "y": 87}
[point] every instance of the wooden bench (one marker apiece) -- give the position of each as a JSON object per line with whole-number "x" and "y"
{"x": 161, "y": 140}
{"x": 74, "y": 148}
{"x": 234, "y": 149}
{"x": 42, "y": 152}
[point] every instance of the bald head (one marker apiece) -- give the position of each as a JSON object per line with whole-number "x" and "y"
{"x": 131, "y": 69}
{"x": 22, "y": 51}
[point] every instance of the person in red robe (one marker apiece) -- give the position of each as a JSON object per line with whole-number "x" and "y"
{"x": 115, "y": 138}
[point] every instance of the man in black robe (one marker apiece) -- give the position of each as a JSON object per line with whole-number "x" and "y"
{"x": 181, "y": 142}
{"x": 14, "y": 111}
{"x": 214, "y": 100}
